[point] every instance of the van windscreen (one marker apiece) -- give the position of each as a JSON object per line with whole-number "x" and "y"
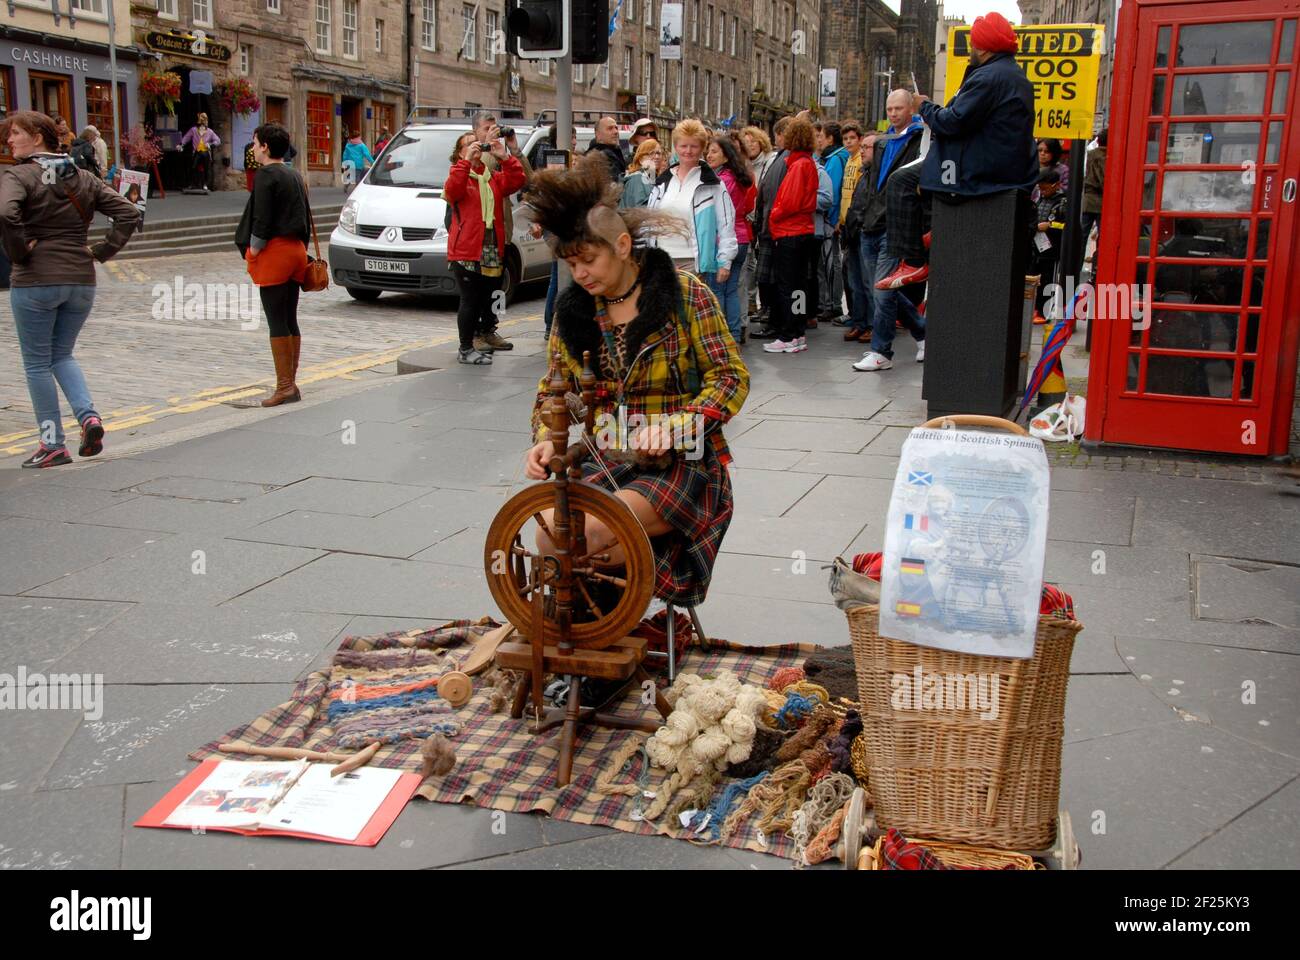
{"x": 415, "y": 158}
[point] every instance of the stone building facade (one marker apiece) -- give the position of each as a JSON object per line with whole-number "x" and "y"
{"x": 789, "y": 43}
{"x": 54, "y": 58}
{"x": 875, "y": 50}
{"x": 321, "y": 68}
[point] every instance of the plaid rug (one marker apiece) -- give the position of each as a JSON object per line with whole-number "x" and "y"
{"x": 499, "y": 764}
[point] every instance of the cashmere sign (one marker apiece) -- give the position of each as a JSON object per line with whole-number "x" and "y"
{"x": 1061, "y": 60}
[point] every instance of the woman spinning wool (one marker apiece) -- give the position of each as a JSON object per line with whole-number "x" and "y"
{"x": 660, "y": 349}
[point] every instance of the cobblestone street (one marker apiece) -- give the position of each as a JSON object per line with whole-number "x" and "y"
{"x": 149, "y": 355}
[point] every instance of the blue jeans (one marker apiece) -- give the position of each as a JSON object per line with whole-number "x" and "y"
{"x": 870, "y": 246}
{"x": 728, "y": 293}
{"x": 48, "y": 320}
{"x": 887, "y": 306}
{"x": 551, "y": 292}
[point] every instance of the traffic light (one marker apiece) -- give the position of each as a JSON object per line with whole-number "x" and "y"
{"x": 537, "y": 29}
{"x": 589, "y": 27}
{"x": 551, "y": 29}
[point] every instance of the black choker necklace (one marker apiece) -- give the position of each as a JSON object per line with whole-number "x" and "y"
{"x": 630, "y": 290}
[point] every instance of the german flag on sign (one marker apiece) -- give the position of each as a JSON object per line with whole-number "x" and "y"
{"x": 913, "y": 566}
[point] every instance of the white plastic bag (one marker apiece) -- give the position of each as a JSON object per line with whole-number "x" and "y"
{"x": 1061, "y": 422}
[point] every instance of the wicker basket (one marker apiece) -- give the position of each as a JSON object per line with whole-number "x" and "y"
{"x": 961, "y": 855}
{"x": 952, "y": 774}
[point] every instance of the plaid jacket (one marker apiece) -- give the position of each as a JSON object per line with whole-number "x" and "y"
{"x": 682, "y": 359}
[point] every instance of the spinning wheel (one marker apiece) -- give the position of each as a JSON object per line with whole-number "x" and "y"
{"x": 575, "y": 607}
{"x": 510, "y": 558}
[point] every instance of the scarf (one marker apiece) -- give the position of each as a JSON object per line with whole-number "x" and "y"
{"x": 486, "y": 199}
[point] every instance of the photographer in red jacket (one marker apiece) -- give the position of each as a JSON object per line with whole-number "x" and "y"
{"x": 476, "y": 238}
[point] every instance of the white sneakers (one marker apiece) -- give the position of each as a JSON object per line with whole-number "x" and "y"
{"x": 796, "y": 345}
{"x": 920, "y": 352}
{"x": 873, "y": 361}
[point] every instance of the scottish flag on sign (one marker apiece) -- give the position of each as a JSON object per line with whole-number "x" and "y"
{"x": 920, "y": 478}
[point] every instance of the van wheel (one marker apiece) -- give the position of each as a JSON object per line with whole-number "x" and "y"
{"x": 510, "y": 279}
{"x": 359, "y": 293}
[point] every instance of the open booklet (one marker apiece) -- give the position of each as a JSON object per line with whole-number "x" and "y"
{"x": 296, "y": 798}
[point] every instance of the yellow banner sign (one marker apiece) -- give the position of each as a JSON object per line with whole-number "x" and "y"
{"x": 1061, "y": 60}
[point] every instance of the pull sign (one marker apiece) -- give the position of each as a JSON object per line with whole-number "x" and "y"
{"x": 1288, "y": 190}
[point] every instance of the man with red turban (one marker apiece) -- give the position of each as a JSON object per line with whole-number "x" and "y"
{"x": 983, "y": 142}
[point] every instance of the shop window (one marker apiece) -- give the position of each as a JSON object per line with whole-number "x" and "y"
{"x": 320, "y": 131}
{"x": 99, "y": 109}
{"x": 7, "y": 100}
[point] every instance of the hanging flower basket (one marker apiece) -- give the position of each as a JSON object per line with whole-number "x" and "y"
{"x": 237, "y": 97}
{"x": 162, "y": 90}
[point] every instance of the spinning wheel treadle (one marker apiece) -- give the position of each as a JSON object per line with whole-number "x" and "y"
{"x": 509, "y": 560}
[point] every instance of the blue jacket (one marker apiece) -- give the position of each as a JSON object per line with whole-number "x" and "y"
{"x": 834, "y": 163}
{"x": 358, "y": 154}
{"x": 984, "y": 138}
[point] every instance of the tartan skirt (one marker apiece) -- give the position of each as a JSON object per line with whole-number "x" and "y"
{"x": 694, "y": 498}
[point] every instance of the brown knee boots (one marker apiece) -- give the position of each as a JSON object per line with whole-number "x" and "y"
{"x": 284, "y": 352}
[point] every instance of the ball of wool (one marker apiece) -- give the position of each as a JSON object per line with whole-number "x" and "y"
{"x": 437, "y": 756}
{"x": 710, "y": 703}
{"x": 661, "y": 754}
{"x": 739, "y": 727}
{"x": 751, "y": 701}
{"x": 711, "y": 744}
{"x": 739, "y": 752}
{"x": 784, "y": 677}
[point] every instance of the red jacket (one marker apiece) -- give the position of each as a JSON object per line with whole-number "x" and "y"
{"x": 465, "y": 239}
{"x": 742, "y": 198}
{"x": 796, "y": 200}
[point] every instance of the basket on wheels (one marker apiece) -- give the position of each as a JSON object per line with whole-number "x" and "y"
{"x": 970, "y": 774}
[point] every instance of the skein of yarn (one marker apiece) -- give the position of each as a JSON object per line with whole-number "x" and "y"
{"x": 713, "y": 724}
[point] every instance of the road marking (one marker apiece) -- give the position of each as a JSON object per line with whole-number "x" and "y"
{"x": 342, "y": 368}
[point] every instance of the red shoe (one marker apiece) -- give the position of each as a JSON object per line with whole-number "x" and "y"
{"x": 904, "y": 274}
{"x": 1039, "y": 319}
{"x": 655, "y": 630}
{"x": 92, "y": 437}
{"x": 47, "y": 457}
{"x": 925, "y": 238}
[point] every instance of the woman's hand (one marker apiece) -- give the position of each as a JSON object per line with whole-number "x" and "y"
{"x": 475, "y": 151}
{"x": 498, "y": 149}
{"x": 653, "y": 441}
{"x": 537, "y": 462}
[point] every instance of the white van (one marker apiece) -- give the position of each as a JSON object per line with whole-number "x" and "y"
{"x": 391, "y": 233}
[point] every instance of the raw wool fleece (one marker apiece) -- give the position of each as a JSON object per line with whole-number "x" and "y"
{"x": 713, "y": 724}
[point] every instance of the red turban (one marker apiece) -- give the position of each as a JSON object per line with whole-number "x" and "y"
{"x": 991, "y": 32}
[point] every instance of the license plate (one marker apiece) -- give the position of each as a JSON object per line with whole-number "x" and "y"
{"x": 387, "y": 266}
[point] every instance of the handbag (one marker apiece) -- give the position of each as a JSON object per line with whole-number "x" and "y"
{"x": 317, "y": 276}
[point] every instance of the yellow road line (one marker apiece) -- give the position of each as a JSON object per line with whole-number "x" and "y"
{"x": 339, "y": 369}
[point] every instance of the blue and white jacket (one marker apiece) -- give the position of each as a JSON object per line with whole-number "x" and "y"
{"x": 714, "y": 219}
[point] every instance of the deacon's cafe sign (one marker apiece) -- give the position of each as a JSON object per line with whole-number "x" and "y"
{"x": 195, "y": 45}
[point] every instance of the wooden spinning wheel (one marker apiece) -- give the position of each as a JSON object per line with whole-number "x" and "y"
{"x": 575, "y": 608}
{"x": 510, "y": 559}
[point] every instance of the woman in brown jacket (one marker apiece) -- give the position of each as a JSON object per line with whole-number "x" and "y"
{"x": 46, "y": 206}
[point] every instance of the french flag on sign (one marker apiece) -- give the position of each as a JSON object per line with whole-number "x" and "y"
{"x": 912, "y": 521}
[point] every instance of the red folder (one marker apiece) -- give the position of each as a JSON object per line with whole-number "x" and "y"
{"x": 374, "y": 831}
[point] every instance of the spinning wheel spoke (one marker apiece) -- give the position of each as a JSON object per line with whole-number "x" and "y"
{"x": 594, "y": 607}
{"x": 545, "y": 529}
{"x": 602, "y": 556}
{"x": 620, "y": 582}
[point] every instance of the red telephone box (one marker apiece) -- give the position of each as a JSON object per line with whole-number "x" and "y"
{"x": 1199, "y": 217}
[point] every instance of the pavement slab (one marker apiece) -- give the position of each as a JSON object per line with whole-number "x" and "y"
{"x": 66, "y": 830}
{"x": 38, "y": 632}
{"x": 41, "y": 551}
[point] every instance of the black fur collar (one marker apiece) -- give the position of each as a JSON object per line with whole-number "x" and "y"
{"x": 707, "y": 174}
{"x": 659, "y": 300}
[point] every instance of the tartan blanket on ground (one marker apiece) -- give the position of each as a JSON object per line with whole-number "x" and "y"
{"x": 499, "y": 764}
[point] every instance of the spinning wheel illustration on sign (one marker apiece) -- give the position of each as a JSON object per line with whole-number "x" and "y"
{"x": 575, "y": 606}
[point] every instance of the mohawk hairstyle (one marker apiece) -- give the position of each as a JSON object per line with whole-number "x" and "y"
{"x": 579, "y": 207}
